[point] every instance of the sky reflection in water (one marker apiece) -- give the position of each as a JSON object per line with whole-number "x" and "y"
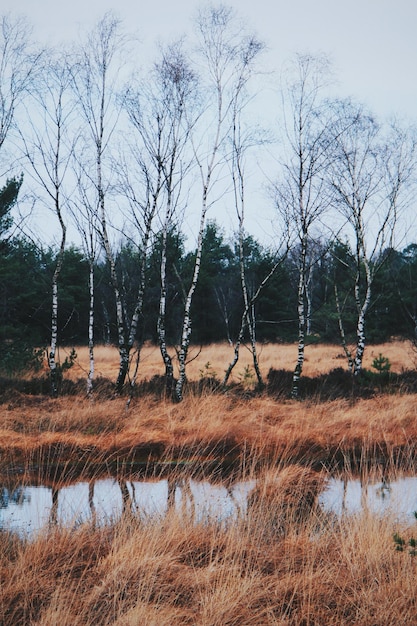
{"x": 29, "y": 509}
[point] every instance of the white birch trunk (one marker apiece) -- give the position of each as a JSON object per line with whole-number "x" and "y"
{"x": 360, "y": 327}
{"x": 301, "y": 338}
{"x": 186, "y": 326}
{"x": 301, "y": 319}
{"x": 90, "y": 376}
{"x": 169, "y": 370}
{"x": 53, "y": 366}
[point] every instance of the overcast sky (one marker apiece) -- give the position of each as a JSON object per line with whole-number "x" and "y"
{"x": 372, "y": 43}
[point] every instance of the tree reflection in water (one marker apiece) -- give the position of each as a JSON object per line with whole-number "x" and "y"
{"x": 28, "y": 508}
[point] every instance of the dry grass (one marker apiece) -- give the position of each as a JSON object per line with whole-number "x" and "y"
{"x": 272, "y": 566}
{"x": 319, "y": 359}
{"x": 282, "y": 563}
{"x": 74, "y": 431}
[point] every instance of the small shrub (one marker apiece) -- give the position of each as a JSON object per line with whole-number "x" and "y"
{"x": 208, "y": 378}
{"x": 207, "y": 372}
{"x": 381, "y": 364}
{"x": 400, "y": 543}
{"x": 247, "y": 377}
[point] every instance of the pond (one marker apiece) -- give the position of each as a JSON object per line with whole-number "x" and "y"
{"x": 28, "y": 509}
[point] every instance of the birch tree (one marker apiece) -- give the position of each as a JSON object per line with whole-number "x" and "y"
{"x": 163, "y": 113}
{"x": 85, "y": 217}
{"x": 95, "y": 85}
{"x": 300, "y": 194}
{"x": 228, "y": 54}
{"x": 48, "y": 148}
{"x": 370, "y": 175}
{"x": 135, "y": 184}
{"x": 18, "y": 65}
{"x": 241, "y": 141}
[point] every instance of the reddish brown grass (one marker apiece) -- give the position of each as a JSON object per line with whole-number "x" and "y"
{"x": 319, "y": 359}
{"x": 75, "y": 430}
{"x": 271, "y": 566}
{"x": 285, "y": 562}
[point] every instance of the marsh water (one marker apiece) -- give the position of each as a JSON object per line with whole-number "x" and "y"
{"x": 28, "y": 509}
{"x": 31, "y": 508}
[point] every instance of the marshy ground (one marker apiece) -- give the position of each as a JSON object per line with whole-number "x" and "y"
{"x": 283, "y": 562}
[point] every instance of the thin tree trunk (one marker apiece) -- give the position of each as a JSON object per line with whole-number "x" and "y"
{"x": 53, "y": 367}
{"x": 248, "y": 317}
{"x": 236, "y": 349}
{"x": 186, "y": 327}
{"x": 252, "y": 334}
{"x": 360, "y": 329}
{"x": 120, "y": 315}
{"x": 363, "y": 306}
{"x": 91, "y": 330}
{"x": 301, "y": 320}
{"x": 161, "y": 325}
{"x": 246, "y": 321}
{"x": 309, "y": 299}
{"x": 249, "y": 306}
{"x": 169, "y": 369}
{"x": 134, "y": 324}
{"x": 342, "y": 330}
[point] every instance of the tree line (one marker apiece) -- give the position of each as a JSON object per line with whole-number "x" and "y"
{"x": 218, "y": 302}
{"x": 128, "y": 161}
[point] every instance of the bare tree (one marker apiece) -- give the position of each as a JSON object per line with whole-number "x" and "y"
{"x": 300, "y": 194}
{"x": 94, "y": 82}
{"x": 18, "y": 64}
{"x": 370, "y": 175}
{"x": 84, "y": 213}
{"x": 48, "y": 148}
{"x": 229, "y": 54}
{"x": 163, "y": 114}
{"x": 241, "y": 141}
{"x": 135, "y": 184}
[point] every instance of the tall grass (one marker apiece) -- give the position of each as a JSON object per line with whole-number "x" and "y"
{"x": 74, "y": 432}
{"x": 282, "y": 561}
{"x": 215, "y": 358}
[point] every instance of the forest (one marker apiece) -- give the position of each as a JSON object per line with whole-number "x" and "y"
{"x": 208, "y": 330}
{"x": 127, "y": 169}
{"x": 218, "y": 302}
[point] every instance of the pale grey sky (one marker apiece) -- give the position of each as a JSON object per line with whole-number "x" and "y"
{"x": 372, "y": 43}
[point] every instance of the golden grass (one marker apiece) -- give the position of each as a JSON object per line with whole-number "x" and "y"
{"x": 74, "y": 430}
{"x": 282, "y": 563}
{"x": 270, "y": 566}
{"x": 319, "y": 359}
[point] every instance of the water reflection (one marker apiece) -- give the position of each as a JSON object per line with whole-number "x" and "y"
{"x": 27, "y": 509}
{"x": 398, "y": 498}
{"x": 16, "y": 496}
{"x": 104, "y": 500}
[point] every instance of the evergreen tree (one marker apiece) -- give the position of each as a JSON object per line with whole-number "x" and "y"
{"x": 206, "y": 314}
{"x": 8, "y": 198}
{"x": 24, "y": 306}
